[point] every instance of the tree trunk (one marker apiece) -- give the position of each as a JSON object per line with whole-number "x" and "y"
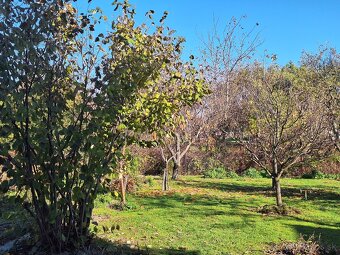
{"x": 122, "y": 190}
{"x": 278, "y": 191}
{"x": 177, "y": 158}
{"x": 176, "y": 169}
{"x": 121, "y": 180}
{"x": 273, "y": 183}
{"x": 165, "y": 184}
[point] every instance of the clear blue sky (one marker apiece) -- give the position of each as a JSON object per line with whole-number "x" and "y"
{"x": 287, "y": 27}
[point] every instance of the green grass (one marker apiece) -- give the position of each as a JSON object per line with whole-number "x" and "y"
{"x": 210, "y": 216}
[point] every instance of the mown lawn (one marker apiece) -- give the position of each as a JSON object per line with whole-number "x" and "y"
{"x": 209, "y": 216}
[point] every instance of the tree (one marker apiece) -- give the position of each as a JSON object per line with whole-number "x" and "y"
{"x": 324, "y": 68}
{"x": 71, "y": 98}
{"x": 166, "y": 159}
{"x": 184, "y": 136}
{"x": 226, "y": 53}
{"x": 286, "y": 124}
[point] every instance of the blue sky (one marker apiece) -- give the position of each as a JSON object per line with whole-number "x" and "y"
{"x": 287, "y": 27}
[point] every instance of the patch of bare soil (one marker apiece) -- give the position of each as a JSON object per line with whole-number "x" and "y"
{"x": 278, "y": 210}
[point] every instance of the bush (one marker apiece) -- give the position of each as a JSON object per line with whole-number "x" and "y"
{"x": 150, "y": 181}
{"x": 231, "y": 174}
{"x": 307, "y": 176}
{"x": 316, "y": 174}
{"x": 253, "y": 173}
{"x": 332, "y": 176}
{"x": 216, "y": 172}
{"x": 104, "y": 199}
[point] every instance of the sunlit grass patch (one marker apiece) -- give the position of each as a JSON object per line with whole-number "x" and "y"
{"x": 213, "y": 216}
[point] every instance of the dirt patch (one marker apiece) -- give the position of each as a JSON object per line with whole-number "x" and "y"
{"x": 278, "y": 210}
{"x": 100, "y": 218}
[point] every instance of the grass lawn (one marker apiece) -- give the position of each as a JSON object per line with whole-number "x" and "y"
{"x": 209, "y": 216}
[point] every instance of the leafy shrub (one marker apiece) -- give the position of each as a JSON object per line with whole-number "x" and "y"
{"x": 316, "y": 174}
{"x": 216, "y": 172}
{"x": 307, "y": 176}
{"x": 219, "y": 172}
{"x": 332, "y": 176}
{"x": 133, "y": 164}
{"x": 75, "y": 133}
{"x": 253, "y": 173}
{"x": 214, "y": 169}
{"x": 212, "y": 163}
{"x": 231, "y": 174}
{"x": 104, "y": 199}
{"x": 150, "y": 181}
{"x": 197, "y": 165}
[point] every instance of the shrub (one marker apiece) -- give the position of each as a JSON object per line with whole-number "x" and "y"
{"x": 231, "y": 174}
{"x": 216, "y": 172}
{"x": 198, "y": 166}
{"x": 316, "y": 174}
{"x": 150, "y": 181}
{"x": 333, "y": 176}
{"x": 68, "y": 120}
{"x": 307, "y": 176}
{"x": 104, "y": 199}
{"x": 253, "y": 173}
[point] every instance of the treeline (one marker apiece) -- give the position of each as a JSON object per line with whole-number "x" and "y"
{"x": 282, "y": 120}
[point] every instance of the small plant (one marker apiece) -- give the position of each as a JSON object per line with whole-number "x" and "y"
{"x": 317, "y": 174}
{"x": 216, "y": 172}
{"x": 104, "y": 199}
{"x": 231, "y": 174}
{"x": 214, "y": 169}
{"x": 307, "y": 176}
{"x": 253, "y": 173}
{"x": 197, "y": 165}
{"x": 150, "y": 181}
{"x": 133, "y": 164}
{"x": 333, "y": 176}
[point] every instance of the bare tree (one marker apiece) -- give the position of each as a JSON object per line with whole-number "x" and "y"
{"x": 286, "y": 122}
{"x": 227, "y": 51}
{"x": 185, "y": 135}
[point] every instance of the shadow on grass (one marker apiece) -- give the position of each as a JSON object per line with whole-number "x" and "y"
{"x": 329, "y": 236}
{"x": 318, "y": 222}
{"x": 313, "y": 194}
{"x": 105, "y": 247}
{"x": 204, "y": 207}
{"x": 202, "y": 202}
{"x": 11, "y": 228}
{"x": 210, "y": 205}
